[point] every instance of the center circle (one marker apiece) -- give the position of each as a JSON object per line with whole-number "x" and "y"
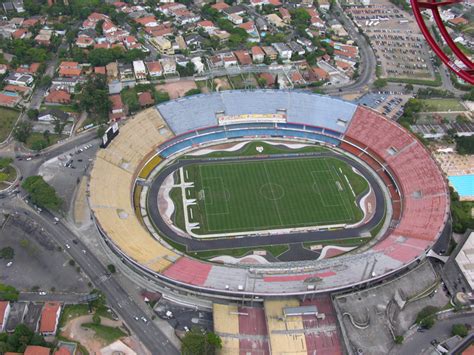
{"x": 272, "y": 191}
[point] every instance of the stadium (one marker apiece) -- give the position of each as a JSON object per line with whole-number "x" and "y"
{"x": 247, "y": 194}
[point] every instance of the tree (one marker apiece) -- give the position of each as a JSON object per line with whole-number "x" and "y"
{"x": 98, "y": 27}
{"x": 72, "y": 262}
{"x": 130, "y": 98}
{"x": 59, "y": 127}
{"x": 32, "y": 113}
{"x": 39, "y": 144}
{"x": 425, "y": 312}
{"x": 409, "y": 87}
{"x": 8, "y": 293}
{"x": 161, "y": 96}
{"x": 4, "y": 162}
{"x": 94, "y": 98}
{"x": 428, "y": 322}
{"x": 192, "y": 92}
{"x": 198, "y": 341}
{"x": 22, "y": 131}
{"x": 399, "y": 339}
{"x": 41, "y": 193}
{"x": 465, "y": 145}
{"x": 7, "y": 253}
{"x": 111, "y": 268}
{"x": 459, "y": 329}
{"x": 96, "y": 318}
{"x": 380, "y": 83}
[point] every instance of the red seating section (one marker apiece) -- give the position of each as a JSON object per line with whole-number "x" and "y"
{"x": 424, "y": 206}
{"x": 189, "y": 270}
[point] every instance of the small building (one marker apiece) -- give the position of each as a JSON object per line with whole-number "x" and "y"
{"x": 275, "y": 20}
{"x": 8, "y": 100}
{"x": 257, "y": 54}
{"x": 117, "y": 109}
{"x": 4, "y": 312}
{"x": 163, "y": 45}
{"x": 284, "y": 52}
{"x": 270, "y": 52}
{"x": 58, "y": 97}
{"x": 69, "y": 69}
{"x": 243, "y": 57}
{"x": 36, "y": 350}
{"x": 139, "y": 69}
{"x": 112, "y": 71}
{"x": 145, "y": 99}
{"x": 84, "y": 41}
{"x": 19, "y": 79}
{"x": 51, "y": 115}
{"x": 154, "y": 69}
{"x": 169, "y": 66}
{"x": 48, "y": 323}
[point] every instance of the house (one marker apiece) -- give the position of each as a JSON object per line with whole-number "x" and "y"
{"x": 163, "y": 45}
{"x": 4, "y": 312}
{"x": 68, "y": 84}
{"x": 130, "y": 42}
{"x": 284, "y": 52}
{"x": 249, "y": 27}
{"x": 320, "y": 74}
{"x": 18, "y": 5}
{"x": 154, "y": 69}
{"x": 220, "y": 6}
{"x": 36, "y": 350}
{"x": 7, "y": 100}
{"x": 126, "y": 72}
{"x": 270, "y": 52}
{"x": 296, "y": 48}
{"x": 269, "y": 79}
{"x": 112, "y": 71}
{"x": 194, "y": 40}
{"x": 257, "y": 54}
{"x": 100, "y": 70}
{"x": 117, "y": 109}
{"x": 145, "y": 99}
{"x": 235, "y": 19}
{"x": 19, "y": 79}
{"x": 50, "y": 115}
{"x": 237, "y": 10}
{"x": 285, "y": 14}
{"x": 324, "y": 5}
{"x": 147, "y": 21}
{"x": 139, "y": 69}
{"x": 207, "y": 26}
{"x": 58, "y": 97}
{"x": 22, "y": 90}
{"x": 3, "y": 69}
{"x": 49, "y": 319}
{"x": 458, "y": 21}
{"x": 169, "y": 66}
{"x": 184, "y": 17}
{"x": 69, "y": 69}
{"x": 275, "y": 20}
{"x": 21, "y": 34}
{"x": 84, "y": 41}
{"x": 44, "y": 37}
{"x": 243, "y": 57}
{"x": 222, "y": 36}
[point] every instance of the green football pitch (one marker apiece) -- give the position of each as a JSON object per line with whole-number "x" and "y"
{"x": 248, "y": 196}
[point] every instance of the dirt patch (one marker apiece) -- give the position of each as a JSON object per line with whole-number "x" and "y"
{"x": 86, "y": 337}
{"x": 177, "y": 89}
{"x": 222, "y": 84}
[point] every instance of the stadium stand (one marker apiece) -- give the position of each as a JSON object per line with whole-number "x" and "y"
{"x": 111, "y": 184}
{"x": 420, "y": 209}
{"x": 198, "y": 111}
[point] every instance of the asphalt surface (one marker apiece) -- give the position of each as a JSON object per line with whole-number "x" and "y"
{"x": 419, "y": 342}
{"x": 117, "y": 298}
{"x": 224, "y": 243}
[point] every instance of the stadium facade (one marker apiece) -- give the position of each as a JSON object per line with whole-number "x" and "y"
{"x": 419, "y": 209}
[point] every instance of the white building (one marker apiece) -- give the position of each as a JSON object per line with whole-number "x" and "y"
{"x": 284, "y": 52}
{"x": 139, "y": 69}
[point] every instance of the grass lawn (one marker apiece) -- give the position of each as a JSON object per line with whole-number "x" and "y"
{"x": 442, "y": 105}
{"x": 8, "y": 174}
{"x": 72, "y": 311}
{"x": 236, "y": 81}
{"x": 36, "y": 136}
{"x": 65, "y": 108}
{"x": 107, "y": 334}
{"x": 250, "y": 149}
{"x": 8, "y": 118}
{"x": 275, "y": 250}
{"x": 260, "y": 195}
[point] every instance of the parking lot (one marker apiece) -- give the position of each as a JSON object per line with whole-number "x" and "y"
{"x": 400, "y": 48}
{"x": 389, "y": 103}
{"x": 39, "y": 264}
{"x": 64, "y": 172}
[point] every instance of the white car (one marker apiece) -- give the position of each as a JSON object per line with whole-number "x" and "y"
{"x": 68, "y": 246}
{"x": 10, "y": 264}
{"x": 42, "y": 293}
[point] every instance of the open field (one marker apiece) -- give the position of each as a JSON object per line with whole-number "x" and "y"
{"x": 8, "y": 118}
{"x": 442, "y": 105}
{"x": 270, "y": 194}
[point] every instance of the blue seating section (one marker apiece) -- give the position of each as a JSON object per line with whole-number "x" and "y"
{"x": 197, "y": 111}
{"x": 238, "y": 131}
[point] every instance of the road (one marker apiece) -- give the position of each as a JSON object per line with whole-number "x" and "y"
{"x": 418, "y": 342}
{"x": 117, "y": 298}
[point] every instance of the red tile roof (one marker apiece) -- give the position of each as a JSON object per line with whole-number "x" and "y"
{"x": 247, "y": 26}
{"x": 7, "y": 100}
{"x": 100, "y": 70}
{"x": 116, "y": 100}
{"x": 145, "y": 99}
{"x": 220, "y": 6}
{"x": 256, "y": 50}
{"x": 3, "y": 307}
{"x": 36, "y": 350}
{"x": 16, "y": 88}
{"x": 62, "y": 351}
{"x": 48, "y": 320}
{"x": 154, "y": 67}
{"x": 243, "y": 57}
{"x": 58, "y": 97}
{"x": 19, "y": 33}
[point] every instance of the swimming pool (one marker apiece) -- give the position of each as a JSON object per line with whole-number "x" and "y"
{"x": 463, "y": 184}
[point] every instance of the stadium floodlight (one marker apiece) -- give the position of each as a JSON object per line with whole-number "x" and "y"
{"x": 467, "y": 71}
